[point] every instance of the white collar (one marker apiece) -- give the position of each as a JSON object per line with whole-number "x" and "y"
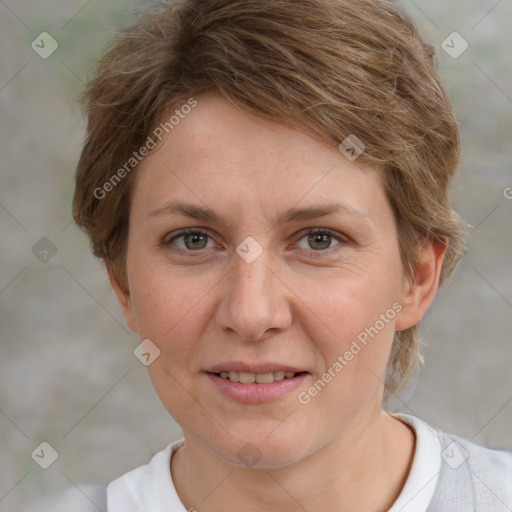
{"x": 423, "y": 476}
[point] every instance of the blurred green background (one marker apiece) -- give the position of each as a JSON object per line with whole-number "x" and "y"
{"x": 68, "y": 375}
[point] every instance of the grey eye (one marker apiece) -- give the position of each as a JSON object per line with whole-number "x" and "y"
{"x": 318, "y": 240}
{"x": 190, "y": 240}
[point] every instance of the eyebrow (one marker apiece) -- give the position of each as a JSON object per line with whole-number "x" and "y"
{"x": 293, "y": 214}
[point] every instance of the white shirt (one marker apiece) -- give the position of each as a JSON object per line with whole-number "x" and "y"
{"x": 440, "y": 479}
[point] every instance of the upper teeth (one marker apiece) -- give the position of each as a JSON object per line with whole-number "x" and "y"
{"x": 260, "y": 378}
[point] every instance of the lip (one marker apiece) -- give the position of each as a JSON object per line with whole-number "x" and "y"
{"x": 256, "y": 393}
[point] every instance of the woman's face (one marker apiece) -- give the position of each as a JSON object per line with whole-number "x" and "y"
{"x": 293, "y": 254}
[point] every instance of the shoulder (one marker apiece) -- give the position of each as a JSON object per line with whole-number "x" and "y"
{"x": 468, "y": 476}
{"x": 146, "y": 487}
{"x": 483, "y": 462}
{"x": 482, "y": 475}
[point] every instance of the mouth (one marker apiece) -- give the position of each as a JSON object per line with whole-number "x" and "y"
{"x": 255, "y": 384}
{"x": 256, "y": 378}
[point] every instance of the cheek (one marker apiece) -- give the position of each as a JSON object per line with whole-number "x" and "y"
{"x": 163, "y": 300}
{"x": 355, "y": 315}
{"x": 170, "y": 311}
{"x": 342, "y": 307}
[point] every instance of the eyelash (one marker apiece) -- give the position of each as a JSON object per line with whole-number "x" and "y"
{"x": 343, "y": 240}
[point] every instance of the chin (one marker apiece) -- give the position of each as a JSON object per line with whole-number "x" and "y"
{"x": 261, "y": 451}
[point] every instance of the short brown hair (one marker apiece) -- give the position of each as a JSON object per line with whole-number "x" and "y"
{"x": 331, "y": 68}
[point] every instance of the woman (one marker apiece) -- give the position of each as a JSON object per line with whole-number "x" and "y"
{"x": 266, "y": 182}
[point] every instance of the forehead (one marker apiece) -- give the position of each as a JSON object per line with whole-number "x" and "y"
{"x": 220, "y": 153}
{"x": 217, "y": 128}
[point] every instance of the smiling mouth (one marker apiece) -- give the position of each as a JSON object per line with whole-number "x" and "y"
{"x": 257, "y": 378}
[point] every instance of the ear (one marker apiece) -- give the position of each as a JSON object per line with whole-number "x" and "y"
{"x": 420, "y": 290}
{"x": 123, "y": 297}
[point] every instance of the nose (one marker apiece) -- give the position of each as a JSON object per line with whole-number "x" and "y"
{"x": 254, "y": 299}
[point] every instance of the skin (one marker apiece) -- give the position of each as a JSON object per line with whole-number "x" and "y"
{"x": 300, "y": 303}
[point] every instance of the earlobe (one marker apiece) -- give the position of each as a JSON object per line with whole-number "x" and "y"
{"x": 123, "y": 297}
{"x": 420, "y": 290}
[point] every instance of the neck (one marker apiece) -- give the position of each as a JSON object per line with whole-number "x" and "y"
{"x": 362, "y": 469}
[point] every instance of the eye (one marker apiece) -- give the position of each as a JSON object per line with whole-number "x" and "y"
{"x": 320, "y": 240}
{"x": 196, "y": 240}
{"x": 190, "y": 240}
